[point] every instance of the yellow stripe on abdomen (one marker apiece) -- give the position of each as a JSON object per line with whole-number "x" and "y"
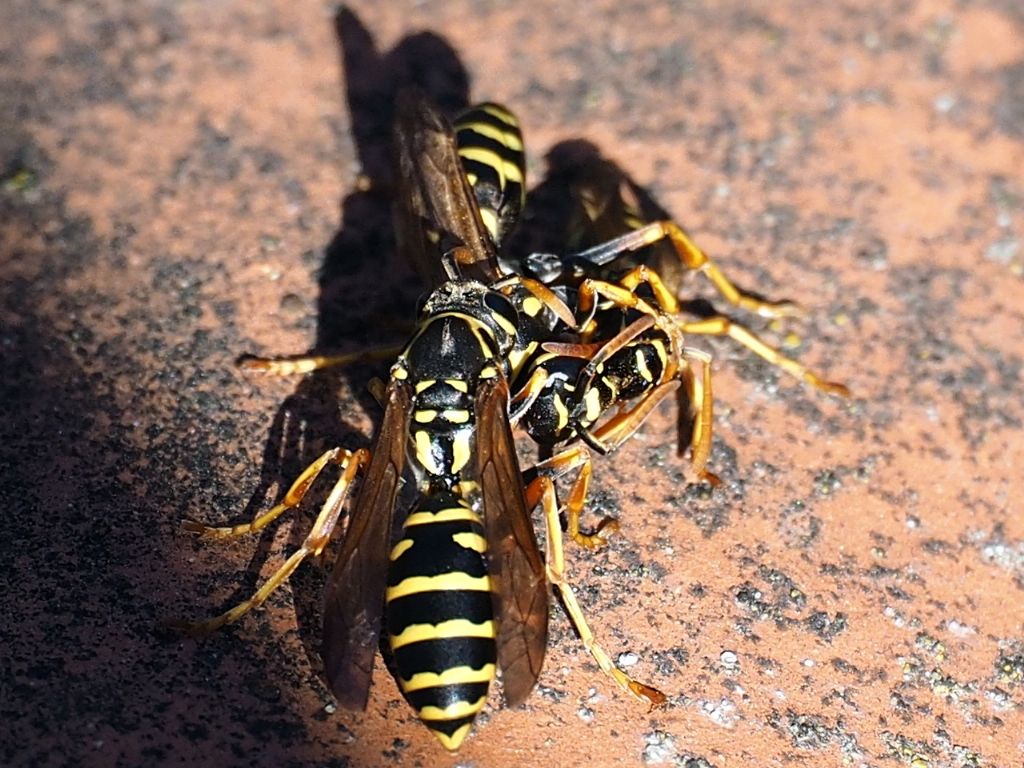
{"x": 418, "y": 633}
{"x": 446, "y": 582}
{"x": 453, "y": 676}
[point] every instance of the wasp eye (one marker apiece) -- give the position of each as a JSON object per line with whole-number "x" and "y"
{"x": 502, "y": 307}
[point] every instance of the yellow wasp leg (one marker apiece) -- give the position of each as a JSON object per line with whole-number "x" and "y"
{"x": 576, "y": 458}
{"x": 720, "y": 325}
{"x": 699, "y": 391}
{"x": 543, "y": 294}
{"x": 591, "y": 290}
{"x": 645, "y": 275}
{"x": 723, "y": 326}
{"x": 556, "y": 574}
{"x": 288, "y": 366}
{"x": 351, "y": 463}
{"x": 292, "y": 499}
{"x": 693, "y": 258}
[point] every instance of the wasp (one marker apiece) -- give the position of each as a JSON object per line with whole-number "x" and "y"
{"x": 616, "y": 230}
{"x": 628, "y": 352}
{"x": 462, "y": 590}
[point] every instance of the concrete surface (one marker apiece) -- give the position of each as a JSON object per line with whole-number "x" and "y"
{"x": 179, "y": 186}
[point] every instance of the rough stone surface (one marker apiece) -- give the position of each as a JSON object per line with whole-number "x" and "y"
{"x": 178, "y": 185}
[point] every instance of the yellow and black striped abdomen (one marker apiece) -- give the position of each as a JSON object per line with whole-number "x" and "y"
{"x": 440, "y": 616}
{"x": 490, "y": 145}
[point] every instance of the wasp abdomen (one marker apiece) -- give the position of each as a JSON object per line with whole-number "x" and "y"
{"x": 440, "y": 615}
{"x": 490, "y": 145}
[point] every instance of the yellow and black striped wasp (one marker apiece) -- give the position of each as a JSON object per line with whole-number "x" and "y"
{"x": 613, "y": 236}
{"x": 461, "y": 591}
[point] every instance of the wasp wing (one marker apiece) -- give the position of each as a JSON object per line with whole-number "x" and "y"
{"x": 354, "y": 598}
{"x": 435, "y": 209}
{"x": 515, "y": 562}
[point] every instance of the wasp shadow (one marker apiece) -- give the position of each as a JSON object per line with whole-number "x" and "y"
{"x": 367, "y": 293}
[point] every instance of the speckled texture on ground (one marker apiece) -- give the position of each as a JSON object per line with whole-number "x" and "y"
{"x": 178, "y": 187}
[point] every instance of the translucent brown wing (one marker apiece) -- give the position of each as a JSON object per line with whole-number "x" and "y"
{"x": 515, "y": 564}
{"x": 354, "y": 597}
{"x": 435, "y": 209}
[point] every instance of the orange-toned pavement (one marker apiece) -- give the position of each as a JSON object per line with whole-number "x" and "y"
{"x": 180, "y": 185}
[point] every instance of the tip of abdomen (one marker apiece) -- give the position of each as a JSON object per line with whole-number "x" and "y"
{"x": 449, "y": 710}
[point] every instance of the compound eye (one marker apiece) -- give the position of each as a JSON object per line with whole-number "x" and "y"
{"x": 503, "y": 309}
{"x": 504, "y": 319}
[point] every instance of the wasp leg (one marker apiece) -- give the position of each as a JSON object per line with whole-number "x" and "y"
{"x": 720, "y": 325}
{"x": 693, "y": 258}
{"x": 556, "y": 574}
{"x": 521, "y": 402}
{"x": 699, "y": 391}
{"x": 292, "y": 498}
{"x": 576, "y": 458}
{"x": 644, "y": 275}
{"x": 288, "y": 366}
{"x": 621, "y": 427}
{"x": 542, "y": 294}
{"x": 351, "y": 462}
{"x": 591, "y": 290}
